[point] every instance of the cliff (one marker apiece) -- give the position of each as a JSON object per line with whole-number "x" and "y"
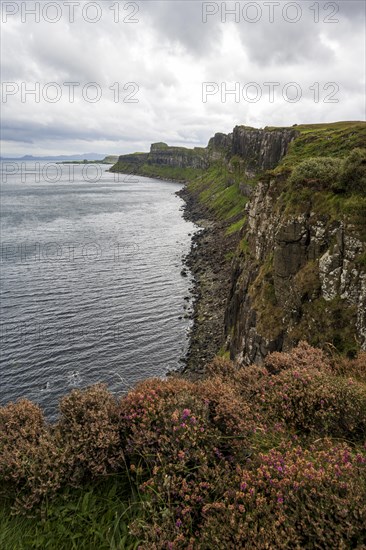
{"x": 300, "y": 271}
{"x": 301, "y": 278}
{"x": 258, "y": 149}
{"x": 163, "y": 161}
{"x": 284, "y": 211}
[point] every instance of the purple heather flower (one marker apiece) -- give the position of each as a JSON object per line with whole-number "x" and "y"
{"x": 186, "y": 413}
{"x": 179, "y": 523}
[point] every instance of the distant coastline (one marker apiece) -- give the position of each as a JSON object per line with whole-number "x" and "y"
{"x": 95, "y": 157}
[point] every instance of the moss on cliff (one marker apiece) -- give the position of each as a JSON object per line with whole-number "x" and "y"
{"x": 219, "y": 190}
{"x": 328, "y": 323}
{"x": 268, "y": 312}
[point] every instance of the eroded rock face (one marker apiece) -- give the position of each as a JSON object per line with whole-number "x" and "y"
{"x": 162, "y": 154}
{"x": 262, "y": 149}
{"x": 340, "y": 276}
{"x": 220, "y": 146}
{"x": 299, "y": 280}
{"x": 259, "y": 150}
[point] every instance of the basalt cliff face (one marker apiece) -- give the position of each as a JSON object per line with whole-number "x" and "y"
{"x": 261, "y": 149}
{"x": 287, "y": 228}
{"x": 300, "y": 278}
{"x": 161, "y": 156}
{"x": 258, "y": 149}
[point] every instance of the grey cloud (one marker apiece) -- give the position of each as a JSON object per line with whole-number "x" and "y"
{"x": 169, "y": 53}
{"x": 181, "y": 21}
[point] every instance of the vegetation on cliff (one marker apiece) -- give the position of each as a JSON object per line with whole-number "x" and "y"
{"x": 263, "y": 456}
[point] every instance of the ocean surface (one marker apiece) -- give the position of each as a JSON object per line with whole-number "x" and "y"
{"x": 91, "y": 284}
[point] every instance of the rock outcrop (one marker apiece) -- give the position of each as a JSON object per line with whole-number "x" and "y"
{"x": 181, "y": 157}
{"x": 162, "y": 155}
{"x": 261, "y": 149}
{"x": 258, "y": 150}
{"x": 299, "y": 279}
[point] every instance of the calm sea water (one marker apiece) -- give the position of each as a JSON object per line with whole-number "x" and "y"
{"x": 91, "y": 284}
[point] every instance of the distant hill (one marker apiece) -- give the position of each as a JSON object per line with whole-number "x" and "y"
{"x": 87, "y": 156}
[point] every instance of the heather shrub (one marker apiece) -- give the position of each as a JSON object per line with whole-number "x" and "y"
{"x": 175, "y": 451}
{"x": 297, "y": 498}
{"x": 315, "y": 402}
{"x": 88, "y": 432}
{"x": 222, "y": 367}
{"x": 227, "y": 411}
{"x": 355, "y": 368}
{"x": 164, "y": 422}
{"x": 245, "y": 382}
{"x": 31, "y": 464}
{"x": 303, "y": 356}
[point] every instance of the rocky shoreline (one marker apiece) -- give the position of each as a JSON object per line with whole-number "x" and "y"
{"x": 210, "y": 264}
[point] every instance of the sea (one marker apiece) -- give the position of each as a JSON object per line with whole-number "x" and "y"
{"x": 93, "y": 287}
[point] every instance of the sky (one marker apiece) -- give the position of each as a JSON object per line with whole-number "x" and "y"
{"x": 112, "y": 76}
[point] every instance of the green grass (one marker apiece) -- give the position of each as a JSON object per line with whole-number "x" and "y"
{"x": 243, "y": 246}
{"x": 324, "y": 140}
{"x": 236, "y": 226}
{"x": 169, "y": 172}
{"x": 94, "y": 517}
{"x": 218, "y": 189}
{"x": 157, "y": 171}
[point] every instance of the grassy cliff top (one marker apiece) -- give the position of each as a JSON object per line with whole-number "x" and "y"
{"x": 322, "y": 140}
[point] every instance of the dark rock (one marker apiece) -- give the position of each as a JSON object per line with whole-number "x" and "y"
{"x": 261, "y": 149}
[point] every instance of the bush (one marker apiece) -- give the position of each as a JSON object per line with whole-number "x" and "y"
{"x": 318, "y": 173}
{"x": 255, "y": 457}
{"x": 314, "y": 402}
{"x": 355, "y": 368}
{"x": 174, "y": 450}
{"x": 353, "y": 172}
{"x": 88, "y": 432}
{"x": 297, "y": 498}
{"x": 303, "y": 356}
{"x": 37, "y": 459}
{"x": 30, "y": 460}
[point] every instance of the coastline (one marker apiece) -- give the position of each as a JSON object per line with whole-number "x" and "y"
{"x": 208, "y": 262}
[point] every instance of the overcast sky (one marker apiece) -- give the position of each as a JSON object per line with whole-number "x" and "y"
{"x": 175, "y": 59}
